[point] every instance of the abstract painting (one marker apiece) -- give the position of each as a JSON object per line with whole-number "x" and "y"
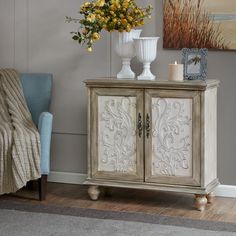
{"x": 200, "y": 24}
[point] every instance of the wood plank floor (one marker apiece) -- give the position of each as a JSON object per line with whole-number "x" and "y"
{"x": 151, "y": 202}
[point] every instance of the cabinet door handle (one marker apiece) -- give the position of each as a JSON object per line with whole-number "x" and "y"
{"x": 140, "y": 125}
{"x": 148, "y": 126}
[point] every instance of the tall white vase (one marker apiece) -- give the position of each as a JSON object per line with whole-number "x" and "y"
{"x": 146, "y": 52}
{"x": 124, "y": 47}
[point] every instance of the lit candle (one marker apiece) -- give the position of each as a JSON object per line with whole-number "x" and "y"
{"x": 176, "y": 72}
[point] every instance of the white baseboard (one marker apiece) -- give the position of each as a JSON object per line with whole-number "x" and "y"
{"x": 66, "y": 177}
{"x": 77, "y": 178}
{"x": 226, "y": 191}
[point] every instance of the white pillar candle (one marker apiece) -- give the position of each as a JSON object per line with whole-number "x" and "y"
{"x": 176, "y": 72}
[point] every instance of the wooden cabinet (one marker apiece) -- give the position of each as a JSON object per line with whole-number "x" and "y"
{"x": 153, "y": 135}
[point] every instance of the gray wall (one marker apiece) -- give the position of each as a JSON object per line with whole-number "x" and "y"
{"x": 34, "y": 38}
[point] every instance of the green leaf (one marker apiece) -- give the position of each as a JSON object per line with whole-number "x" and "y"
{"x": 75, "y": 37}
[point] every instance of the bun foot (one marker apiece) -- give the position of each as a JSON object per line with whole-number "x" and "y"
{"x": 200, "y": 202}
{"x": 93, "y": 192}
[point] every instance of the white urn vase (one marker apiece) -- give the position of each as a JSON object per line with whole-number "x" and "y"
{"x": 124, "y": 47}
{"x": 146, "y": 52}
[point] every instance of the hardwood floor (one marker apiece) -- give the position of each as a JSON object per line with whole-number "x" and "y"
{"x": 150, "y": 202}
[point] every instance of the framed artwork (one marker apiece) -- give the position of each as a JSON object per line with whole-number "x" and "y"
{"x": 207, "y": 24}
{"x": 195, "y": 63}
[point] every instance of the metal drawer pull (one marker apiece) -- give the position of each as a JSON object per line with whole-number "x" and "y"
{"x": 140, "y": 125}
{"x": 148, "y": 126}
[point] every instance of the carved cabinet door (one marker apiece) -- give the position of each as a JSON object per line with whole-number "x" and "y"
{"x": 172, "y": 144}
{"x": 116, "y": 134}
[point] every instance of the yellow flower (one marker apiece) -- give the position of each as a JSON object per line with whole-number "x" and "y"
{"x": 90, "y": 49}
{"x": 100, "y": 3}
{"x": 130, "y": 18}
{"x": 107, "y": 19}
{"x": 115, "y": 2}
{"x": 96, "y": 36}
{"x": 91, "y": 17}
{"x": 98, "y": 12}
{"x": 128, "y": 28}
{"x": 125, "y": 5}
{"x": 86, "y": 4}
{"x": 140, "y": 23}
{"x": 124, "y": 22}
{"x": 113, "y": 7}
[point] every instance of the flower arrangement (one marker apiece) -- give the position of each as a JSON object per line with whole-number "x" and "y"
{"x": 109, "y": 15}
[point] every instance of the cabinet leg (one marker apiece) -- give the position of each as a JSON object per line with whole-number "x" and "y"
{"x": 93, "y": 192}
{"x": 210, "y": 197}
{"x": 200, "y": 202}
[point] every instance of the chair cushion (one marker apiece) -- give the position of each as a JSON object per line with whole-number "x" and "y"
{"x": 37, "y": 89}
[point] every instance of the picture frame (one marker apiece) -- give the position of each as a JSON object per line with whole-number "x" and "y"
{"x": 195, "y": 63}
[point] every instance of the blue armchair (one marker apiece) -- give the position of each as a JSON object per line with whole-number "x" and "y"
{"x": 37, "y": 88}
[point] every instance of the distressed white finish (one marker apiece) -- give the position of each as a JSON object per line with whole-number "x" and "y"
{"x": 117, "y": 134}
{"x": 171, "y": 137}
{"x": 169, "y": 119}
{"x": 210, "y": 135}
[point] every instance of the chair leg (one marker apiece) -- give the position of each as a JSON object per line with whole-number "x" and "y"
{"x": 42, "y": 187}
{"x": 30, "y": 185}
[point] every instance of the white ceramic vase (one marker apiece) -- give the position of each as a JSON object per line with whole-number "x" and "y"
{"x": 124, "y": 47}
{"x": 146, "y": 52}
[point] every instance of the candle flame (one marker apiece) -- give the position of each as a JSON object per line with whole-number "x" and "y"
{"x": 175, "y": 62}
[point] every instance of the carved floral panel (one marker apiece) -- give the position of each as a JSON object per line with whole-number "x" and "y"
{"x": 171, "y": 137}
{"x": 117, "y": 134}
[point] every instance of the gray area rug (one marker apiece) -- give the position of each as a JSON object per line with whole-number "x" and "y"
{"x": 24, "y": 219}
{"x": 17, "y": 223}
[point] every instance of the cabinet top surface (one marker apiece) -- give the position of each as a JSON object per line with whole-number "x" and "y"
{"x": 112, "y": 82}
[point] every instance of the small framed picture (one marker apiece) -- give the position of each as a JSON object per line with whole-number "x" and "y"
{"x": 195, "y": 63}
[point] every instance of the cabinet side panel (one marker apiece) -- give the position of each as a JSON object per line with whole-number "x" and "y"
{"x": 89, "y": 133}
{"x": 210, "y": 135}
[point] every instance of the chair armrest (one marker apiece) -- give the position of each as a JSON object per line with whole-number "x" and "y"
{"x": 45, "y": 131}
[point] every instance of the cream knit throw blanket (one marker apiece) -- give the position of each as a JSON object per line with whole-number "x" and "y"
{"x": 19, "y": 138}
